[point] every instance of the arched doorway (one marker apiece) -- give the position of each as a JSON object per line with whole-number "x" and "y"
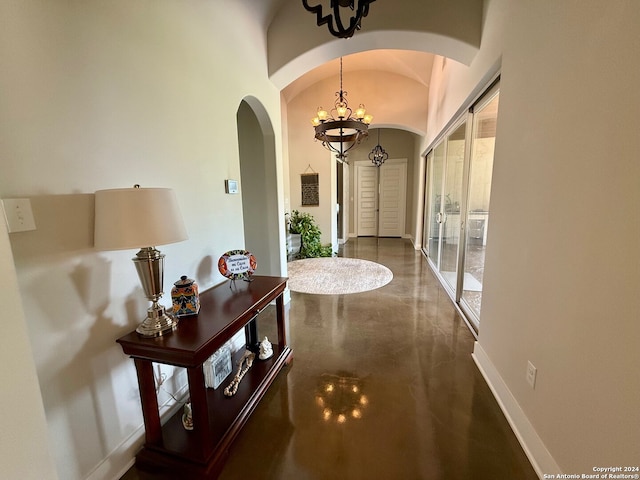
{"x": 258, "y": 186}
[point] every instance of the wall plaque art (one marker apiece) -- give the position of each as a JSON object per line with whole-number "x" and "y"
{"x": 310, "y": 188}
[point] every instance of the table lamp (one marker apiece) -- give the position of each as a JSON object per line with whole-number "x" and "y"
{"x": 142, "y": 218}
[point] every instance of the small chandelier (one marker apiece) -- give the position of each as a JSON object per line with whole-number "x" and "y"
{"x": 335, "y": 24}
{"x": 378, "y": 155}
{"x": 338, "y": 130}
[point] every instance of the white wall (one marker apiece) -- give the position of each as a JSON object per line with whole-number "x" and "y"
{"x": 24, "y": 446}
{"x": 109, "y": 94}
{"x": 562, "y": 276}
{"x": 453, "y": 84}
{"x": 105, "y": 95}
{"x": 561, "y": 279}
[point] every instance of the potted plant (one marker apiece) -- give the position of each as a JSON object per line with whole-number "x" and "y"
{"x": 294, "y": 241}
{"x": 303, "y": 224}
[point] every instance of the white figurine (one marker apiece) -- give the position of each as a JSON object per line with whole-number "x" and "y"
{"x": 266, "y": 350}
{"x": 187, "y": 417}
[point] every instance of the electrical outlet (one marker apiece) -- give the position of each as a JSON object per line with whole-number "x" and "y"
{"x": 532, "y": 371}
{"x": 18, "y": 214}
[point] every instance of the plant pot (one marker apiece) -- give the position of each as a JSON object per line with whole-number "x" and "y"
{"x": 294, "y": 242}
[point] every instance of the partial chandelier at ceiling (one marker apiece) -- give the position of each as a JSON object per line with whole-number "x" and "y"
{"x": 336, "y": 22}
{"x": 339, "y": 130}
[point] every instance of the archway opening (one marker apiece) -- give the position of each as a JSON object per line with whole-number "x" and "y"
{"x": 256, "y": 145}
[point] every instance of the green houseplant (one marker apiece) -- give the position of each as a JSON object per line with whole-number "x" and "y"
{"x": 304, "y": 224}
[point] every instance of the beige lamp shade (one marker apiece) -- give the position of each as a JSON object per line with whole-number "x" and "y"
{"x": 137, "y": 217}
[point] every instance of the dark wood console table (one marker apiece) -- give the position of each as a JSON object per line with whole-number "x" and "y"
{"x": 224, "y": 310}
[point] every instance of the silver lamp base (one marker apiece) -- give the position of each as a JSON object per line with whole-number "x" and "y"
{"x": 149, "y": 263}
{"x": 157, "y": 322}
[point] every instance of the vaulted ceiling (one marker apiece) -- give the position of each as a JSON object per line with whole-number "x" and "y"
{"x": 399, "y": 37}
{"x": 417, "y": 26}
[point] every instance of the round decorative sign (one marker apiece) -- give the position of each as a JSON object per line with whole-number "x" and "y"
{"x": 237, "y": 264}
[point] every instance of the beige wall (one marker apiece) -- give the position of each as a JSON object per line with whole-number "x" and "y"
{"x": 383, "y": 95}
{"x": 452, "y": 30}
{"x": 562, "y": 277}
{"x": 24, "y": 427}
{"x": 105, "y": 95}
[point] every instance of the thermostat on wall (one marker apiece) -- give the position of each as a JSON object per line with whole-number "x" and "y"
{"x": 231, "y": 186}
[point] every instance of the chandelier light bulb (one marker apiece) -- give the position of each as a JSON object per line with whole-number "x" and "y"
{"x": 322, "y": 114}
{"x": 315, "y": 121}
{"x": 360, "y": 112}
{"x": 367, "y": 119}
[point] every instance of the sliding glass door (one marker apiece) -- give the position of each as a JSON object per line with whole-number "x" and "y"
{"x": 483, "y": 139}
{"x": 433, "y": 207}
{"x": 459, "y": 170}
{"x": 452, "y": 197}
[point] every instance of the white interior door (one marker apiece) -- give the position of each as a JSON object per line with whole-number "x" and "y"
{"x": 366, "y": 200}
{"x": 381, "y": 197}
{"x": 393, "y": 198}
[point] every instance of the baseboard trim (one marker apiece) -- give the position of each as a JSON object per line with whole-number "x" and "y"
{"x": 532, "y": 444}
{"x": 287, "y": 295}
{"x": 122, "y": 458}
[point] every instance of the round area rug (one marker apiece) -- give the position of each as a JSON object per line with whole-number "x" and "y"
{"x": 336, "y": 275}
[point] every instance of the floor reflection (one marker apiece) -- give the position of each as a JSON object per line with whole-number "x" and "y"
{"x": 340, "y": 397}
{"x": 382, "y": 386}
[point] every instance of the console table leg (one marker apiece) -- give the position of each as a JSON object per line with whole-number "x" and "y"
{"x": 280, "y": 314}
{"x": 251, "y": 332}
{"x": 149, "y": 401}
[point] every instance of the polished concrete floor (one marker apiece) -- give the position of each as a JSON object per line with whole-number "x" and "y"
{"x": 382, "y": 386}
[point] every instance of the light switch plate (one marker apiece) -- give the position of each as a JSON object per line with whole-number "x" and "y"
{"x": 18, "y": 215}
{"x": 532, "y": 372}
{"x": 231, "y": 186}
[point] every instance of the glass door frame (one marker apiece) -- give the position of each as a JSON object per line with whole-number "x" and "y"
{"x": 436, "y": 263}
{"x": 485, "y": 99}
{"x": 429, "y": 213}
{"x": 455, "y": 292}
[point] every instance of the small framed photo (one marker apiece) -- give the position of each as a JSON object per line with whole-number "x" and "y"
{"x": 231, "y": 186}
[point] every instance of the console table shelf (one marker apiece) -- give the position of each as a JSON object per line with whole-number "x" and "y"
{"x": 225, "y": 309}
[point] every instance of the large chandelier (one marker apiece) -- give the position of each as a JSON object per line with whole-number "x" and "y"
{"x": 335, "y": 23}
{"x": 338, "y": 130}
{"x": 378, "y": 155}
